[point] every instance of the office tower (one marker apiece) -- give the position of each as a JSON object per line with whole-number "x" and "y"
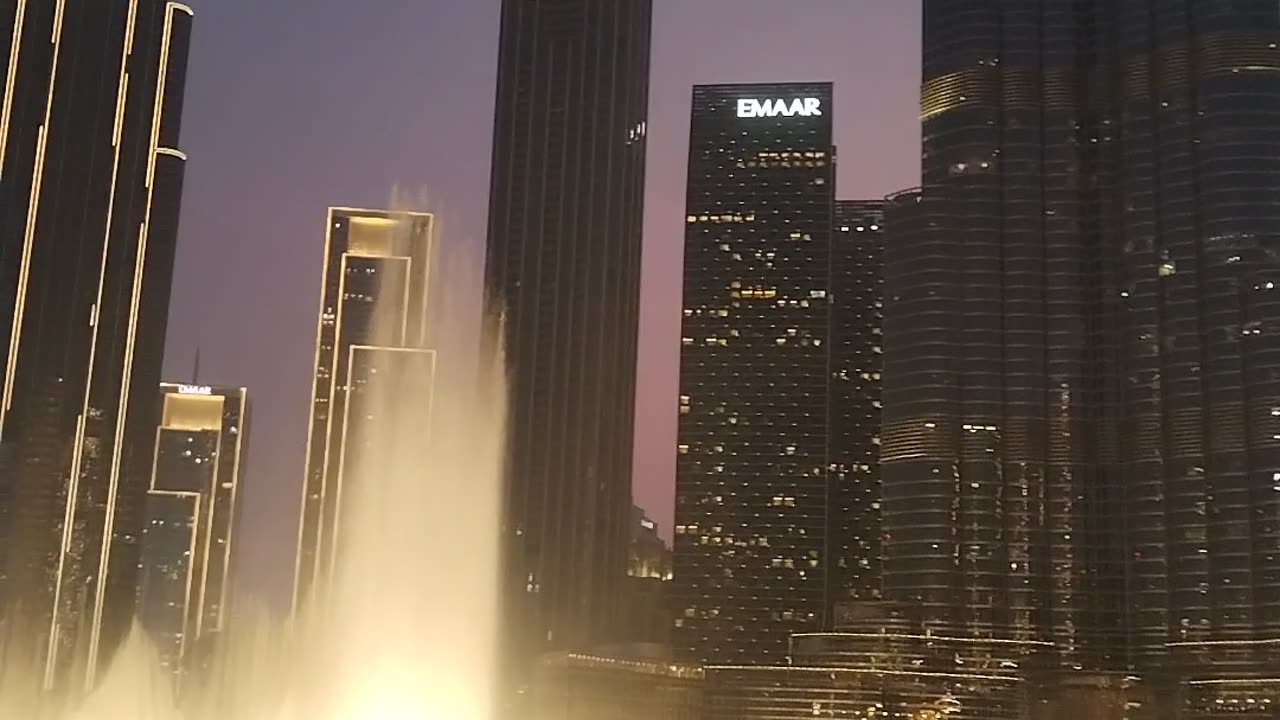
{"x": 369, "y": 255}
{"x": 754, "y": 435}
{"x": 563, "y": 272}
{"x": 857, "y": 290}
{"x": 649, "y": 555}
{"x": 90, "y": 181}
{"x": 646, "y": 607}
{"x": 1082, "y": 429}
{"x": 191, "y": 518}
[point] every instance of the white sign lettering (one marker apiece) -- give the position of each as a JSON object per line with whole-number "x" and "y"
{"x": 195, "y": 390}
{"x": 804, "y": 107}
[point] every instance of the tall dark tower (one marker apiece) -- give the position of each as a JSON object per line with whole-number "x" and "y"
{"x": 90, "y": 183}
{"x": 857, "y": 359}
{"x": 1082, "y": 415}
{"x": 754, "y": 437}
{"x": 563, "y": 271}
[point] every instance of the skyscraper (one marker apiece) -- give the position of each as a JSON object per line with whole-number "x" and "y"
{"x": 90, "y": 183}
{"x": 563, "y": 272}
{"x": 191, "y": 516}
{"x": 1082, "y": 422}
{"x": 857, "y": 290}
{"x": 370, "y": 255}
{"x": 754, "y": 433}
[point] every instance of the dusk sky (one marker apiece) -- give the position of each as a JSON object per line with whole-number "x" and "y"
{"x": 295, "y": 106}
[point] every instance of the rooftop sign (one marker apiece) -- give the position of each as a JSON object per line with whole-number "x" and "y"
{"x": 803, "y": 107}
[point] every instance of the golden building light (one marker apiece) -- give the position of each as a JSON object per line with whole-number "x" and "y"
{"x": 370, "y": 255}
{"x": 191, "y": 517}
{"x": 83, "y": 307}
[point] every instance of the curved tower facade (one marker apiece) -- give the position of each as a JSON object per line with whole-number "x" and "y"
{"x": 1081, "y": 419}
{"x": 90, "y": 183}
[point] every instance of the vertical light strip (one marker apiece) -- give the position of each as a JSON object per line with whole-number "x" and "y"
{"x": 212, "y": 516}
{"x": 404, "y": 305}
{"x": 118, "y": 127}
{"x": 342, "y": 461}
{"x": 311, "y": 417}
{"x": 64, "y": 547}
{"x": 24, "y": 272}
{"x": 429, "y": 257}
{"x": 191, "y": 571}
{"x": 29, "y": 232}
{"x": 95, "y": 630}
{"x": 328, "y": 434}
{"x": 155, "y": 458}
{"x": 15, "y": 47}
{"x": 78, "y": 443}
{"x": 231, "y": 510}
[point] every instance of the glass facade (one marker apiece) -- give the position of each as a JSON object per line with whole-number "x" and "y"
{"x": 191, "y": 515}
{"x": 1082, "y": 416}
{"x": 752, "y": 470}
{"x": 857, "y": 288}
{"x": 563, "y": 274}
{"x": 90, "y": 185}
{"x": 372, "y": 259}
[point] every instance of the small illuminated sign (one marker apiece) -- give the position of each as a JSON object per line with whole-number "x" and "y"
{"x": 195, "y": 390}
{"x": 802, "y": 107}
{"x": 646, "y": 523}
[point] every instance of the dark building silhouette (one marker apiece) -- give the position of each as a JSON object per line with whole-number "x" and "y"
{"x": 563, "y": 273}
{"x": 856, "y": 346}
{"x": 192, "y": 511}
{"x": 90, "y": 184}
{"x": 1082, "y": 407}
{"x": 649, "y": 556}
{"x": 371, "y": 258}
{"x": 646, "y": 608}
{"x": 754, "y": 438}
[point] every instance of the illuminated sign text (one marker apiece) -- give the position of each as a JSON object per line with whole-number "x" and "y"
{"x": 803, "y": 107}
{"x": 195, "y": 390}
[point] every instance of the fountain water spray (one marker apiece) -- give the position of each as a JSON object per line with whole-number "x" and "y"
{"x": 406, "y": 629}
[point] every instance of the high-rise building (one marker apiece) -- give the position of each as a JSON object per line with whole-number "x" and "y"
{"x": 563, "y": 273}
{"x": 649, "y": 555}
{"x": 1082, "y": 420}
{"x": 754, "y": 434}
{"x": 857, "y": 289}
{"x": 188, "y": 537}
{"x": 370, "y": 256}
{"x": 645, "y": 605}
{"x": 90, "y": 184}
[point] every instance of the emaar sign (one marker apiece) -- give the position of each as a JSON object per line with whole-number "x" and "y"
{"x": 802, "y": 107}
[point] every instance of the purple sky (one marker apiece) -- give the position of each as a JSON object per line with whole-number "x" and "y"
{"x": 289, "y": 111}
